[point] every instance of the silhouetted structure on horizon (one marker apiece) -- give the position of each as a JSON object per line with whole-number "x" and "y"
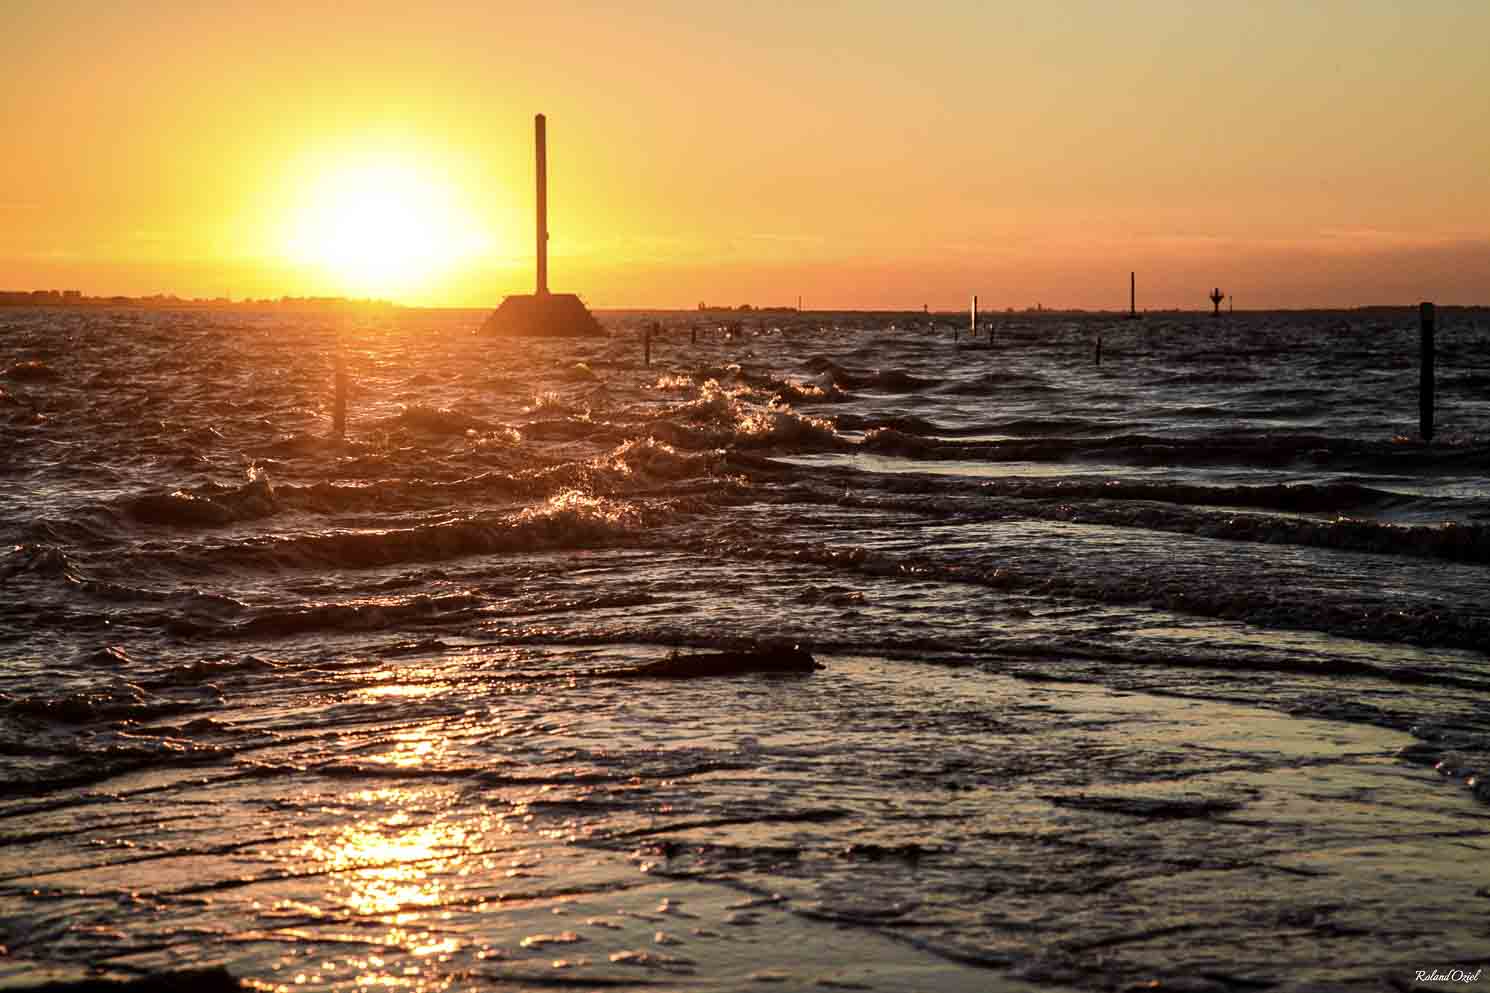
{"x": 542, "y": 313}
{"x": 1216, "y": 297}
{"x": 1133, "y": 314}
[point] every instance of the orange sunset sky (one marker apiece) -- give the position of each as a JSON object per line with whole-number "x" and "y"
{"x": 862, "y": 155}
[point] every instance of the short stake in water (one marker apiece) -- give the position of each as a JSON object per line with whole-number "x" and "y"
{"x": 339, "y": 410}
{"x": 647, "y": 344}
{"x": 1426, "y": 319}
{"x": 1099, "y": 347}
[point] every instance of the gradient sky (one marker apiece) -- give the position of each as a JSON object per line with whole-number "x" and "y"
{"x": 866, "y": 155}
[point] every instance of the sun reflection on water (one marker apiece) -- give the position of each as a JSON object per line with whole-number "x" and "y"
{"x": 389, "y": 869}
{"x": 399, "y": 691}
{"x": 411, "y": 749}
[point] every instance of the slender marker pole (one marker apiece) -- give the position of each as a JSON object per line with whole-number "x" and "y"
{"x": 1099, "y": 347}
{"x": 540, "y": 168}
{"x": 1426, "y": 320}
{"x": 972, "y": 329}
{"x": 647, "y": 345}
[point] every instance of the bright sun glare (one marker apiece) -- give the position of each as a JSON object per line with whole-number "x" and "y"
{"x": 381, "y": 228}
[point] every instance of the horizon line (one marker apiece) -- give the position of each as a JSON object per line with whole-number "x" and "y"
{"x": 51, "y": 298}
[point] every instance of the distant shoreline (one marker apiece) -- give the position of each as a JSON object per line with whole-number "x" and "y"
{"x": 76, "y": 299}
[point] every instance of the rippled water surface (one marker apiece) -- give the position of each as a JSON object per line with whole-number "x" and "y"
{"x": 1167, "y": 670}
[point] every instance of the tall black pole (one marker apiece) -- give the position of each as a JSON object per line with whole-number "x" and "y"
{"x": 540, "y": 143}
{"x": 1426, "y": 318}
{"x": 1132, "y": 294}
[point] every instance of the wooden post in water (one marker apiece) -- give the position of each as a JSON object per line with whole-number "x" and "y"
{"x": 339, "y": 409}
{"x": 647, "y": 344}
{"x": 1099, "y": 347}
{"x": 1426, "y": 319}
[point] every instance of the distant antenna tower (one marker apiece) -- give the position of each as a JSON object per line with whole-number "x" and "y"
{"x": 1216, "y": 297}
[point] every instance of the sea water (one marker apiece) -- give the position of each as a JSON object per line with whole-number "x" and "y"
{"x": 1166, "y": 669}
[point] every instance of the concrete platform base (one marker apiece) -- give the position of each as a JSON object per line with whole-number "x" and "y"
{"x": 547, "y": 315}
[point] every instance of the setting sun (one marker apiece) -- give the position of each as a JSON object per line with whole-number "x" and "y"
{"x": 381, "y": 227}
